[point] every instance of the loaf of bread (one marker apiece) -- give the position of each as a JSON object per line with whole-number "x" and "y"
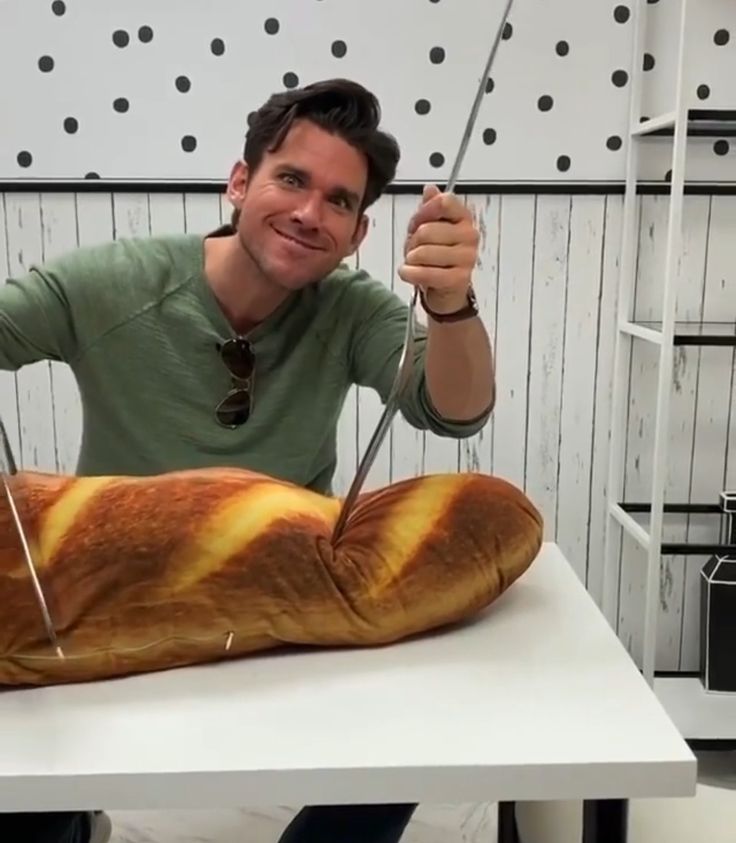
{"x": 150, "y": 573}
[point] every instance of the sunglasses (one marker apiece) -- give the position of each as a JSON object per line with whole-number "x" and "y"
{"x": 235, "y": 407}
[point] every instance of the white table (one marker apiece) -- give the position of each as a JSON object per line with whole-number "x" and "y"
{"x": 535, "y": 700}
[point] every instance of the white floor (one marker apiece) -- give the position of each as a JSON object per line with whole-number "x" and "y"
{"x": 430, "y": 824}
{"x": 710, "y": 816}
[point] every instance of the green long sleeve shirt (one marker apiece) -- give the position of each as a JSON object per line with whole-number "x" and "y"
{"x": 139, "y": 326}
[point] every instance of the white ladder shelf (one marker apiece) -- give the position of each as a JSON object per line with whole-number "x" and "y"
{"x": 680, "y": 123}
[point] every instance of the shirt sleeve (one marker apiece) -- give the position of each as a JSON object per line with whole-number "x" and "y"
{"x": 36, "y": 318}
{"x": 375, "y": 350}
{"x": 57, "y": 309}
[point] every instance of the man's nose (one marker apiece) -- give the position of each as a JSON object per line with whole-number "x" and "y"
{"x": 309, "y": 210}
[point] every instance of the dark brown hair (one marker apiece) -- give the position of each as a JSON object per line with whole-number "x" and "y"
{"x": 340, "y": 106}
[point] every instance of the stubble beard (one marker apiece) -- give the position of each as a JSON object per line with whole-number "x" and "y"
{"x": 256, "y": 261}
{"x": 269, "y": 277}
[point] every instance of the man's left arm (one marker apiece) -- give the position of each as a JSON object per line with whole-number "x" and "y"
{"x": 440, "y": 254}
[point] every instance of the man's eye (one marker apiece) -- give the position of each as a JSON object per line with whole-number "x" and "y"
{"x": 290, "y": 178}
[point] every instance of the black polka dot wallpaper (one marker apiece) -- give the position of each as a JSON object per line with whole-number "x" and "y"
{"x": 140, "y": 91}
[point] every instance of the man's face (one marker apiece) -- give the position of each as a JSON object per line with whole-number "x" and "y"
{"x": 300, "y": 209}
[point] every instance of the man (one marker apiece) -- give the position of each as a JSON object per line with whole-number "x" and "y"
{"x": 239, "y": 347}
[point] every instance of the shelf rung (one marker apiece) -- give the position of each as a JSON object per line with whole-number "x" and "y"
{"x": 699, "y": 549}
{"x": 648, "y": 334}
{"x": 632, "y": 527}
{"x": 664, "y": 121}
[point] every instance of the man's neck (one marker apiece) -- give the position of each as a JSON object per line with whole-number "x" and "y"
{"x": 245, "y": 297}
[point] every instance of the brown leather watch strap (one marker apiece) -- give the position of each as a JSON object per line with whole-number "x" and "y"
{"x": 469, "y": 310}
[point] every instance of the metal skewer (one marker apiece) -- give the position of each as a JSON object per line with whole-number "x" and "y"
{"x": 9, "y": 470}
{"x": 406, "y": 362}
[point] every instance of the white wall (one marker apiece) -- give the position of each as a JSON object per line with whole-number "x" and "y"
{"x": 547, "y": 281}
{"x": 387, "y": 46}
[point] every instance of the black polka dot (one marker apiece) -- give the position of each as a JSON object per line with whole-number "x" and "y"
{"x": 545, "y": 103}
{"x": 188, "y": 143}
{"x": 58, "y": 7}
{"x": 339, "y": 48}
{"x": 621, "y": 14}
{"x": 120, "y": 38}
{"x": 436, "y": 159}
{"x": 272, "y": 26}
{"x": 703, "y": 92}
{"x": 562, "y": 48}
{"x": 434, "y": 1}
{"x": 721, "y": 147}
{"x": 614, "y": 143}
{"x": 71, "y": 125}
{"x": 145, "y": 34}
{"x": 649, "y": 62}
{"x": 291, "y": 80}
{"x": 25, "y": 159}
{"x": 619, "y": 78}
{"x": 490, "y": 85}
{"x": 722, "y": 37}
{"x": 437, "y": 55}
{"x": 652, "y": 2}
{"x": 422, "y": 106}
{"x": 217, "y": 46}
{"x": 121, "y": 105}
{"x": 508, "y": 31}
{"x": 45, "y": 64}
{"x": 563, "y": 163}
{"x": 92, "y": 175}
{"x": 183, "y": 84}
{"x": 668, "y": 175}
{"x": 489, "y": 136}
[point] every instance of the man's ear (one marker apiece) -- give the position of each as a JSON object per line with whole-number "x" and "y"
{"x": 361, "y": 229}
{"x": 238, "y": 183}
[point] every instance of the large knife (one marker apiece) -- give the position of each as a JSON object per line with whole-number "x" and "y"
{"x": 8, "y": 468}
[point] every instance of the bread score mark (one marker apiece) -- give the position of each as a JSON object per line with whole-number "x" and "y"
{"x": 240, "y": 520}
{"x": 55, "y": 521}
{"x": 419, "y": 504}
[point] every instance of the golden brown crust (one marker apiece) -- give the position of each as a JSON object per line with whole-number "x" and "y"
{"x": 149, "y": 573}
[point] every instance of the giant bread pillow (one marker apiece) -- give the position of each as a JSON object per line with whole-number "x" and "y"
{"x": 149, "y": 573}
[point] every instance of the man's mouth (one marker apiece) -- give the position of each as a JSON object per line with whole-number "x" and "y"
{"x": 298, "y": 242}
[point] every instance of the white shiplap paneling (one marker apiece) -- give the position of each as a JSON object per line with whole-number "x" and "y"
{"x": 513, "y": 338}
{"x": 577, "y": 403}
{"x": 547, "y": 280}
{"x": 34, "y": 396}
{"x": 548, "y": 302}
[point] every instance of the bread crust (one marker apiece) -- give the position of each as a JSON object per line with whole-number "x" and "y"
{"x": 152, "y": 573}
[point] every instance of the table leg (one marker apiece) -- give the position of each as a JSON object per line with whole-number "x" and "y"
{"x": 602, "y": 821}
{"x": 508, "y": 831}
{"x": 605, "y": 821}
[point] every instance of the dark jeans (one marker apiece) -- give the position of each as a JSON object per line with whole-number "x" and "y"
{"x": 315, "y": 824}
{"x": 44, "y": 828}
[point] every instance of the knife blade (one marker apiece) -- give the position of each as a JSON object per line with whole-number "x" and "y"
{"x": 8, "y": 468}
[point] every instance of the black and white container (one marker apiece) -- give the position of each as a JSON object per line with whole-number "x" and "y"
{"x": 718, "y": 612}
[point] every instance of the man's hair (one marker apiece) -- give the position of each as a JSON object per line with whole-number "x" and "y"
{"x": 339, "y": 106}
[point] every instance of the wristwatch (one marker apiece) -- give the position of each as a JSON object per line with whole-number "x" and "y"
{"x": 469, "y": 310}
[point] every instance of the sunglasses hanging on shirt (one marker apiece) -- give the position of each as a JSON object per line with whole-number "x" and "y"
{"x": 235, "y": 408}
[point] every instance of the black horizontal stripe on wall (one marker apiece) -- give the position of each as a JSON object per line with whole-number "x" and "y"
{"x": 396, "y": 188}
